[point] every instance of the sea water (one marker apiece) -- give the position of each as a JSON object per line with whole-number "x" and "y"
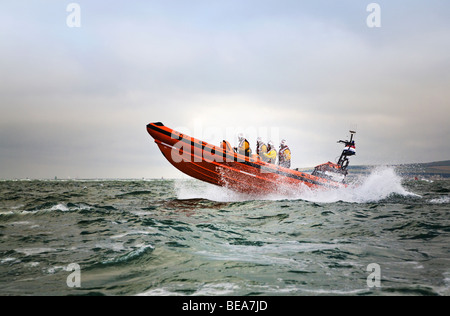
{"x": 184, "y": 237}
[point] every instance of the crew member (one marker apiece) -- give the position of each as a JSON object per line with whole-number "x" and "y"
{"x": 284, "y": 155}
{"x": 350, "y": 148}
{"x": 261, "y": 148}
{"x": 271, "y": 154}
{"x": 244, "y": 146}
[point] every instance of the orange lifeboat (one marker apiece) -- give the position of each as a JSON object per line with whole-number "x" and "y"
{"x": 220, "y": 165}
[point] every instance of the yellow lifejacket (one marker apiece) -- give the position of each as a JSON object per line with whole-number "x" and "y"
{"x": 261, "y": 150}
{"x": 244, "y": 148}
{"x": 271, "y": 156}
{"x": 284, "y": 157}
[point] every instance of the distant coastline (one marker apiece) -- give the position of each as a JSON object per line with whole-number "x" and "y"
{"x": 429, "y": 170}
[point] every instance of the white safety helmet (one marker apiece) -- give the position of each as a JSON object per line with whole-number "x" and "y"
{"x": 240, "y": 136}
{"x": 283, "y": 143}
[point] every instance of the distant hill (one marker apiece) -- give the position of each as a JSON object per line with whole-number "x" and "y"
{"x": 430, "y": 169}
{"x": 437, "y": 169}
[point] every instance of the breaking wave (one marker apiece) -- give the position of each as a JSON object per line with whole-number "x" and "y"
{"x": 382, "y": 182}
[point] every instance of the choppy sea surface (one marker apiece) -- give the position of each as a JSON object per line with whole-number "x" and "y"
{"x": 183, "y": 237}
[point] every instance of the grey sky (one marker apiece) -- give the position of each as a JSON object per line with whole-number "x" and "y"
{"x": 74, "y": 102}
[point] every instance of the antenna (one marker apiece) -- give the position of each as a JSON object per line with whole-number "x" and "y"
{"x": 352, "y": 132}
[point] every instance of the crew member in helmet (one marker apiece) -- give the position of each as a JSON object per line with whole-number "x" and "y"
{"x": 271, "y": 154}
{"x": 261, "y": 149}
{"x": 244, "y": 146}
{"x": 284, "y": 155}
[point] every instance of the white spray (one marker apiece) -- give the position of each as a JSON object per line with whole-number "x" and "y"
{"x": 378, "y": 185}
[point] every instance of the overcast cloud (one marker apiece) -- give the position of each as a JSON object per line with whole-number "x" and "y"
{"x": 74, "y": 102}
